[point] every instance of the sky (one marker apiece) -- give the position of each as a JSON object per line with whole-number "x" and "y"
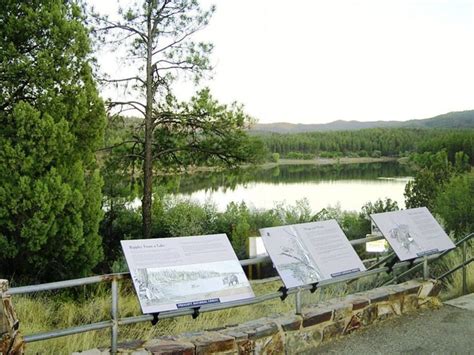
{"x": 316, "y": 61}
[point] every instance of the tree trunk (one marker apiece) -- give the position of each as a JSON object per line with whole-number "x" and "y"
{"x": 148, "y": 161}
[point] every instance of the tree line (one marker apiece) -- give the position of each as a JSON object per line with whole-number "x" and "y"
{"x": 371, "y": 142}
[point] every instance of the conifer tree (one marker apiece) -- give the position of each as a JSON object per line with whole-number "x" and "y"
{"x": 52, "y": 122}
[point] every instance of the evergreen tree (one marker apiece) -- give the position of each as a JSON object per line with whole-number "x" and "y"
{"x": 52, "y": 123}
{"x": 158, "y": 35}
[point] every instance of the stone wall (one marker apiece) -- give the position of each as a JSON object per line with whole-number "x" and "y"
{"x": 296, "y": 334}
{"x": 11, "y": 341}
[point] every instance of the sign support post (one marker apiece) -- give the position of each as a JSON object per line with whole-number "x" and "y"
{"x": 464, "y": 270}
{"x": 426, "y": 268}
{"x": 298, "y": 302}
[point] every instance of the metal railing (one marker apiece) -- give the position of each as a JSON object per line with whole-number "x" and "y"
{"x": 464, "y": 242}
{"x": 116, "y": 321}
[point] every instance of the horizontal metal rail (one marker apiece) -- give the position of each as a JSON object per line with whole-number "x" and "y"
{"x": 68, "y": 331}
{"x": 460, "y": 266}
{"x": 67, "y": 283}
{"x": 458, "y": 243}
{"x": 437, "y": 256}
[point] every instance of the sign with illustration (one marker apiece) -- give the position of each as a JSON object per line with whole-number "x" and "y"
{"x": 412, "y": 233}
{"x": 185, "y": 272}
{"x": 310, "y": 252}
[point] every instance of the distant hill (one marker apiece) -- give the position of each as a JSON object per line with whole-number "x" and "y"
{"x": 460, "y": 119}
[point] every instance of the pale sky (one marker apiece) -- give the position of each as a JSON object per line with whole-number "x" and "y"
{"x": 315, "y": 61}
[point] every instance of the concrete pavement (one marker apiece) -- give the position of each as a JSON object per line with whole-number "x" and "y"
{"x": 447, "y": 330}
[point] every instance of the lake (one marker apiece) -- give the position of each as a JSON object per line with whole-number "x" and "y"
{"x": 349, "y": 186}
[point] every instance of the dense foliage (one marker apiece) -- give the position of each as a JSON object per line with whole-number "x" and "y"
{"x": 455, "y": 205}
{"x": 435, "y": 170}
{"x": 174, "y": 217}
{"x": 52, "y": 122}
{"x": 370, "y": 142}
{"x": 446, "y": 188}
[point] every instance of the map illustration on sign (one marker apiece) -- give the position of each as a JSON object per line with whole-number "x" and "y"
{"x": 185, "y": 272}
{"x": 412, "y": 233}
{"x": 310, "y": 252}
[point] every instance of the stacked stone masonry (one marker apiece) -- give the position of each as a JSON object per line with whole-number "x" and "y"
{"x": 11, "y": 341}
{"x": 296, "y": 334}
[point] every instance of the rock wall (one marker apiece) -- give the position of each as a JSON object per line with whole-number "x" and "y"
{"x": 296, "y": 334}
{"x": 11, "y": 341}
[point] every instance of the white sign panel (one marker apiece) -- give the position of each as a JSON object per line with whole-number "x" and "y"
{"x": 185, "y": 272}
{"x": 376, "y": 246}
{"x": 310, "y": 252}
{"x": 412, "y": 233}
{"x": 256, "y": 247}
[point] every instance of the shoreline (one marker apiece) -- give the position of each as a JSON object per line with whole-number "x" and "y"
{"x": 330, "y": 161}
{"x": 316, "y": 161}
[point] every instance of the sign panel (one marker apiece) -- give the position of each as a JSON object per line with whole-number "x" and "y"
{"x": 256, "y": 247}
{"x": 376, "y": 246}
{"x": 185, "y": 272}
{"x": 412, "y": 233}
{"x": 310, "y": 252}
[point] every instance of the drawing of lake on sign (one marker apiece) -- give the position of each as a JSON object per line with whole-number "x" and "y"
{"x": 184, "y": 286}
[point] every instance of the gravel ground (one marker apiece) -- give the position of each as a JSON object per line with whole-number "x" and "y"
{"x": 448, "y": 330}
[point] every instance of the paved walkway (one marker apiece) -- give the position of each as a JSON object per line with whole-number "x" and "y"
{"x": 448, "y": 330}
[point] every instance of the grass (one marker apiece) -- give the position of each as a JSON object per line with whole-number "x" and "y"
{"x": 452, "y": 285}
{"x": 56, "y": 311}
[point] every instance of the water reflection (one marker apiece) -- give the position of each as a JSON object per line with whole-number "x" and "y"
{"x": 284, "y": 174}
{"x": 351, "y": 186}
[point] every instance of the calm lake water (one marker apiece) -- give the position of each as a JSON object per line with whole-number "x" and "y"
{"x": 349, "y": 186}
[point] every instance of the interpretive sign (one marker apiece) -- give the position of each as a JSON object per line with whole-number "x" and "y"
{"x": 185, "y": 272}
{"x": 412, "y": 233}
{"x": 310, "y": 252}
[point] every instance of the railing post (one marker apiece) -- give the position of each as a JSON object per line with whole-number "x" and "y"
{"x": 114, "y": 311}
{"x": 298, "y": 302}
{"x": 464, "y": 270}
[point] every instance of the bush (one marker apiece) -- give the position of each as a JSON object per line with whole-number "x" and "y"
{"x": 454, "y": 205}
{"x": 275, "y": 157}
{"x": 376, "y": 154}
{"x": 186, "y": 218}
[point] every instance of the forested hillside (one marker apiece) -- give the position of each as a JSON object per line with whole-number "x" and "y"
{"x": 370, "y": 142}
{"x": 461, "y": 119}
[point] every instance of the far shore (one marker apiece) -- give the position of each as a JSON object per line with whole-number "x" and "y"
{"x": 315, "y": 161}
{"x": 330, "y": 161}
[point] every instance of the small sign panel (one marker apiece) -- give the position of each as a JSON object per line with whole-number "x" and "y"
{"x": 412, "y": 233}
{"x": 256, "y": 247}
{"x": 185, "y": 272}
{"x": 376, "y": 246}
{"x": 310, "y": 252}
